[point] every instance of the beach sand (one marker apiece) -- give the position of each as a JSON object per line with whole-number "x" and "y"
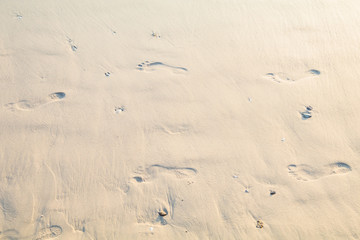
{"x": 113, "y": 111}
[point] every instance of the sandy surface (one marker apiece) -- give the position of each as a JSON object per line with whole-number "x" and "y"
{"x": 111, "y": 111}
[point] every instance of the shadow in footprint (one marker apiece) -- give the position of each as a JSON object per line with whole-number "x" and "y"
{"x": 304, "y": 172}
{"x": 139, "y": 179}
{"x": 29, "y": 105}
{"x": 314, "y": 71}
{"x": 57, "y": 95}
{"x": 305, "y": 115}
{"x": 72, "y": 44}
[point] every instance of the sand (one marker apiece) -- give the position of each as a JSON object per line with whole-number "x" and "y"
{"x": 113, "y": 111}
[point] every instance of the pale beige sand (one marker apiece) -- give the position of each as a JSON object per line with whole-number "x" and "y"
{"x": 199, "y": 116}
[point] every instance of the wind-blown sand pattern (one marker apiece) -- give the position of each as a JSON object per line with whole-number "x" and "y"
{"x": 187, "y": 119}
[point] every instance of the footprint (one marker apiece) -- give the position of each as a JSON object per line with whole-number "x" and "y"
{"x": 74, "y": 48}
{"x": 139, "y": 179}
{"x": 72, "y": 44}
{"x": 151, "y": 66}
{"x": 29, "y": 105}
{"x": 307, "y": 113}
{"x": 155, "y": 34}
{"x": 281, "y": 77}
{"x": 118, "y": 110}
{"x": 180, "y": 172}
{"x": 305, "y": 172}
{"x": 49, "y": 232}
{"x": 142, "y": 175}
{"x": 175, "y": 129}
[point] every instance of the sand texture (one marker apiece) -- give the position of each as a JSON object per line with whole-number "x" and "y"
{"x": 179, "y": 119}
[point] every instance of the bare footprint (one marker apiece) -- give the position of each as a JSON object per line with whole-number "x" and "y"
{"x": 174, "y": 129}
{"x": 49, "y": 232}
{"x": 72, "y": 44}
{"x": 155, "y": 34}
{"x": 305, "y": 172}
{"x": 152, "y": 66}
{"x": 142, "y": 175}
{"x": 29, "y": 105}
{"x": 180, "y": 172}
{"x": 281, "y": 77}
